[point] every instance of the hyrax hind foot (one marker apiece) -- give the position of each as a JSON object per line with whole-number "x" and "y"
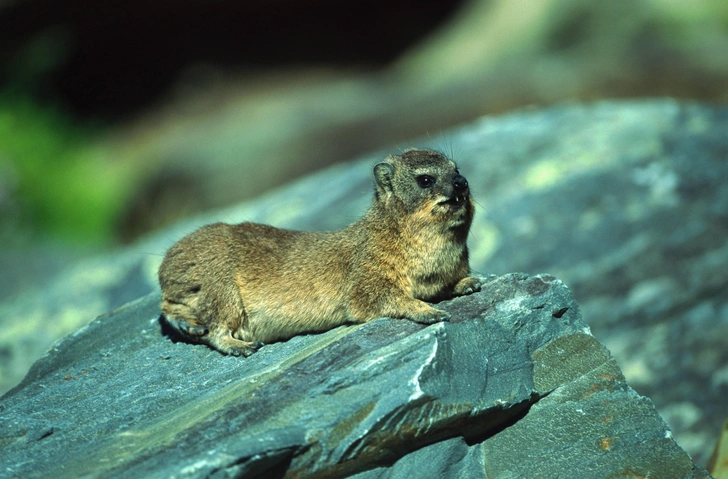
{"x": 223, "y": 341}
{"x": 467, "y": 285}
{"x": 185, "y": 328}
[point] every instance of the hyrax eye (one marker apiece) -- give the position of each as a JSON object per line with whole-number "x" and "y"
{"x": 425, "y": 181}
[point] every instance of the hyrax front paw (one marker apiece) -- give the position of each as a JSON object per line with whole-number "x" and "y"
{"x": 467, "y": 285}
{"x": 429, "y": 316}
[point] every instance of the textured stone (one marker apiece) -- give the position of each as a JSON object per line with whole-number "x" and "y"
{"x": 513, "y": 378}
{"x": 591, "y": 421}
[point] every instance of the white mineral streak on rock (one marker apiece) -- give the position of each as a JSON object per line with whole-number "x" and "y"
{"x": 418, "y": 393}
{"x": 379, "y": 359}
{"x": 513, "y": 305}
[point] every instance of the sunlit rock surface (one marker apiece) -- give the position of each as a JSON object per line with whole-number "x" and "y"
{"x": 513, "y": 386}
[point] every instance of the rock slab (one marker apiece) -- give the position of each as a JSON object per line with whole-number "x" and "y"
{"x": 513, "y": 386}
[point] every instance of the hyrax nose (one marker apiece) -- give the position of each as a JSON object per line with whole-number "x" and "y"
{"x": 460, "y": 183}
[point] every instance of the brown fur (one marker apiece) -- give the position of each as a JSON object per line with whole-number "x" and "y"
{"x": 235, "y": 287}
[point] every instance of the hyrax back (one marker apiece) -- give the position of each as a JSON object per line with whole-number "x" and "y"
{"x": 236, "y": 287}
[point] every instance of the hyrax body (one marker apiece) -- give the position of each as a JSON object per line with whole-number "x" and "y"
{"x": 236, "y": 287}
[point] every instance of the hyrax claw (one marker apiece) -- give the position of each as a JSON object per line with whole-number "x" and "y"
{"x": 467, "y": 285}
{"x": 436, "y": 316}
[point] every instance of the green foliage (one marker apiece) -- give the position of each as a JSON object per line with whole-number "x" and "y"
{"x": 65, "y": 186}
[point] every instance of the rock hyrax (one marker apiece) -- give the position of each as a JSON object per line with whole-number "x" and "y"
{"x": 236, "y": 287}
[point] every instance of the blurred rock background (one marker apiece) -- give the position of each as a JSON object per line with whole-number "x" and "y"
{"x": 117, "y": 119}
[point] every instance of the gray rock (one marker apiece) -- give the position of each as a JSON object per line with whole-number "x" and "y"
{"x": 626, "y": 202}
{"x": 513, "y": 386}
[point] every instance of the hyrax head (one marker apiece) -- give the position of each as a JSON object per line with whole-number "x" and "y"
{"x": 425, "y": 181}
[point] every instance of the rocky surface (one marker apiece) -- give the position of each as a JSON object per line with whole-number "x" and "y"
{"x": 513, "y": 386}
{"x": 626, "y": 202}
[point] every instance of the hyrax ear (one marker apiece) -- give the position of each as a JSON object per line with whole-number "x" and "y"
{"x": 383, "y": 173}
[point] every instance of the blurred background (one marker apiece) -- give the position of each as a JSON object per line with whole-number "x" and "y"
{"x": 117, "y": 118}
